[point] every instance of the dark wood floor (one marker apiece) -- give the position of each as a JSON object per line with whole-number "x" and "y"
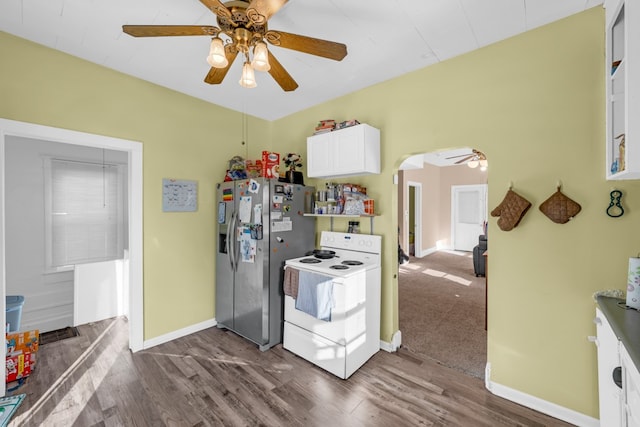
{"x": 215, "y": 378}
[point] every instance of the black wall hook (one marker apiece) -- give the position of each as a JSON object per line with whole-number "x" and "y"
{"x": 615, "y": 209}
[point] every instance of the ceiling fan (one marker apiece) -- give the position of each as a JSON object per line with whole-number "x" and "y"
{"x": 475, "y": 158}
{"x": 244, "y": 22}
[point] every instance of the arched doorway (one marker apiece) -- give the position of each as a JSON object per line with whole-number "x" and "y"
{"x": 441, "y": 302}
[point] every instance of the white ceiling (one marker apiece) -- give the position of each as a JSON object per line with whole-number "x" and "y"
{"x": 406, "y": 34}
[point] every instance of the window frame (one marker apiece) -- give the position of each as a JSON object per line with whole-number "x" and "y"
{"x": 121, "y": 222}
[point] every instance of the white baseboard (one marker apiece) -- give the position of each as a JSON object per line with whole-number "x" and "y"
{"x": 540, "y": 405}
{"x": 179, "y": 333}
{"x": 396, "y": 342}
{"x": 425, "y": 252}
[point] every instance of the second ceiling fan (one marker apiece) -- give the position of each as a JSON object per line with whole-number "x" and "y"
{"x": 245, "y": 24}
{"x": 474, "y": 159}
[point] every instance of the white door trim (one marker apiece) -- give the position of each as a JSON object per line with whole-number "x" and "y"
{"x": 417, "y": 215}
{"x": 134, "y": 150}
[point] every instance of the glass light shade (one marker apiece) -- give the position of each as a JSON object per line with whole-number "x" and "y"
{"x": 260, "y": 57}
{"x": 473, "y": 164}
{"x": 484, "y": 164}
{"x": 217, "y": 58}
{"x": 248, "y": 78}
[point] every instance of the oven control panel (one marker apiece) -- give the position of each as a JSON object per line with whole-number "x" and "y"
{"x": 348, "y": 241}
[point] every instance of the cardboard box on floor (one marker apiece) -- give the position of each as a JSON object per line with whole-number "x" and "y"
{"x": 18, "y": 365}
{"x": 23, "y": 341}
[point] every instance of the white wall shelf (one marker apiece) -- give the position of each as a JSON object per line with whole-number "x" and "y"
{"x": 332, "y": 216}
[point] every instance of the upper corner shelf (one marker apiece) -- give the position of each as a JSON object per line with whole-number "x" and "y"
{"x": 622, "y": 65}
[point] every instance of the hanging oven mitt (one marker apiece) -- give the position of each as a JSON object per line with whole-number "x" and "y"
{"x": 511, "y": 210}
{"x": 559, "y": 208}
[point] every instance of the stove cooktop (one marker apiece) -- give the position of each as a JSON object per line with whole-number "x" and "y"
{"x": 341, "y": 265}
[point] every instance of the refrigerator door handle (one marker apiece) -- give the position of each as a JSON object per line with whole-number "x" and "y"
{"x": 229, "y": 242}
{"x": 234, "y": 242}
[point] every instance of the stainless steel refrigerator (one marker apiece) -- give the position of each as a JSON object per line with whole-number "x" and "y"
{"x": 260, "y": 225}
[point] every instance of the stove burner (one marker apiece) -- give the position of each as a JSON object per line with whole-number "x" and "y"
{"x": 352, "y": 262}
{"x": 310, "y": 261}
{"x": 339, "y": 267}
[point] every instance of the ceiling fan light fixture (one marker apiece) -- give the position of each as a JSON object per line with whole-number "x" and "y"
{"x": 473, "y": 163}
{"x": 217, "y": 57}
{"x": 483, "y": 164}
{"x": 260, "y": 57}
{"x": 248, "y": 78}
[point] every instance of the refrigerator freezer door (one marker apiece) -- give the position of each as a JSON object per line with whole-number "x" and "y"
{"x": 224, "y": 268}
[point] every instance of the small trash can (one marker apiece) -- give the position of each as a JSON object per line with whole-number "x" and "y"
{"x": 14, "y": 305}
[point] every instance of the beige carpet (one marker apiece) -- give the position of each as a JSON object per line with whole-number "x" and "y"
{"x": 442, "y": 305}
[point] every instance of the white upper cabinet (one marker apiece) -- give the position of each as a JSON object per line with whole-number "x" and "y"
{"x": 622, "y": 73}
{"x": 346, "y": 152}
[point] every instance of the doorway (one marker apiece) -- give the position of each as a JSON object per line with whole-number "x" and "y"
{"x": 414, "y": 219}
{"x": 10, "y": 128}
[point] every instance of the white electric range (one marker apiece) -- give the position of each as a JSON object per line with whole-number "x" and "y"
{"x": 352, "y": 336}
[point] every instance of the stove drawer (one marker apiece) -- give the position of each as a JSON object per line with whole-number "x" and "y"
{"x": 348, "y": 317}
{"x": 318, "y": 350}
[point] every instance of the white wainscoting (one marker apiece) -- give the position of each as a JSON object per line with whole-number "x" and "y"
{"x": 48, "y": 303}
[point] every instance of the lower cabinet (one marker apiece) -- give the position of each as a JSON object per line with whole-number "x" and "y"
{"x": 631, "y": 389}
{"x": 618, "y": 378}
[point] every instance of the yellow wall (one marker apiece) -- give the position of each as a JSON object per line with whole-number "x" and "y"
{"x": 182, "y": 137}
{"x": 534, "y": 104}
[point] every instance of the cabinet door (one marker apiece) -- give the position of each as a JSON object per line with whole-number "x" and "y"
{"x": 319, "y": 155}
{"x": 608, "y": 360}
{"x": 348, "y": 154}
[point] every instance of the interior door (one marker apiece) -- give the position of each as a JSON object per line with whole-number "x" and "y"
{"x": 469, "y": 213}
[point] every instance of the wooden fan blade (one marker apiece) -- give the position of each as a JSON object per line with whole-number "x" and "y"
{"x": 465, "y": 159}
{"x": 217, "y": 7}
{"x": 170, "y": 30}
{"x": 216, "y": 75}
{"x": 280, "y": 75}
{"x": 259, "y": 11}
{"x": 318, "y": 47}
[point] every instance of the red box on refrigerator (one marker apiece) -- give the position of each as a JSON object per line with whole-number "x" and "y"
{"x": 270, "y": 164}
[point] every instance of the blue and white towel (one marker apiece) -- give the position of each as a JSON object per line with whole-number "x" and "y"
{"x": 315, "y": 295}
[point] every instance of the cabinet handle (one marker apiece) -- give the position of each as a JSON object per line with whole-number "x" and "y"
{"x": 617, "y": 376}
{"x": 597, "y": 321}
{"x": 593, "y": 339}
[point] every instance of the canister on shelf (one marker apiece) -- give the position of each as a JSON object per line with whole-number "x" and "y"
{"x": 368, "y": 206}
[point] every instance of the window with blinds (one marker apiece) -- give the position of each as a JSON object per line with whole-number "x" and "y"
{"x": 84, "y": 212}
